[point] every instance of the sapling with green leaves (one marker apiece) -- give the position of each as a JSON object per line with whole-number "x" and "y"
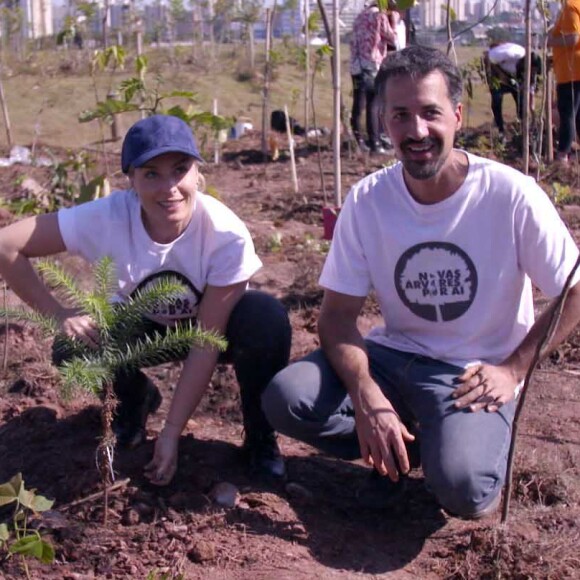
{"x": 138, "y": 94}
{"x": 16, "y": 537}
{"x": 94, "y": 369}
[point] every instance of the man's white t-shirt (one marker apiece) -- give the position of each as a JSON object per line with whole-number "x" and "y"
{"x": 453, "y": 279}
{"x": 507, "y": 55}
{"x": 215, "y": 248}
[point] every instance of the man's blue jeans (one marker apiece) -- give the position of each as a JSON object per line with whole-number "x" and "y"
{"x": 463, "y": 454}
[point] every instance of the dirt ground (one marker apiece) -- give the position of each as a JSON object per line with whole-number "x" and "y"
{"x": 311, "y": 526}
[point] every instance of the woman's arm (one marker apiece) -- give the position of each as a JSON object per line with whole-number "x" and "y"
{"x": 36, "y": 237}
{"x": 214, "y": 312}
{"x": 30, "y": 238}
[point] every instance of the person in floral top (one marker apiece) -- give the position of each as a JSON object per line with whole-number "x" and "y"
{"x": 371, "y": 34}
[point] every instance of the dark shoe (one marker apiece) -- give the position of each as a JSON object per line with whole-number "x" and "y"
{"x": 130, "y": 420}
{"x": 378, "y": 149}
{"x": 362, "y": 146}
{"x": 263, "y": 456}
{"x": 386, "y": 142}
{"x": 381, "y": 492}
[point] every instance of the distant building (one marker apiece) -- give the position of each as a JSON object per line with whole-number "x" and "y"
{"x": 433, "y": 13}
{"x": 36, "y": 17}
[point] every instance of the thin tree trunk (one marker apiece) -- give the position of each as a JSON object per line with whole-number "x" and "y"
{"x": 450, "y": 43}
{"x": 266, "y": 87}
{"x": 251, "y": 46}
{"x": 337, "y": 108}
{"x": 329, "y": 36}
{"x": 6, "y": 324}
{"x": 104, "y": 24}
{"x": 525, "y": 101}
{"x": 5, "y": 114}
{"x": 307, "y": 78}
{"x": 539, "y": 354}
{"x": 291, "y": 149}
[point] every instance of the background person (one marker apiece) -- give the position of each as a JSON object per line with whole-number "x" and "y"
{"x": 504, "y": 66}
{"x": 163, "y": 226}
{"x": 564, "y": 39}
{"x": 371, "y": 34}
{"x": 451, "y": 244}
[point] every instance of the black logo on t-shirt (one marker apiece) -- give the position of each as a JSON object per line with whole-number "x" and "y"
{"x": 184, "y": 306}
{"x": 436, "y": 281}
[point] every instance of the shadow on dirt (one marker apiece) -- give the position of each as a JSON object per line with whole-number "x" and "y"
{"x": 326, "y": 519}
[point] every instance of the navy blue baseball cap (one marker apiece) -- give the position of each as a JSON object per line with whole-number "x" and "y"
{"x": 154, "y": 136}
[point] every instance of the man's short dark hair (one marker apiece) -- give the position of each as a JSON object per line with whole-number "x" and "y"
{"x": 417, "y": 62}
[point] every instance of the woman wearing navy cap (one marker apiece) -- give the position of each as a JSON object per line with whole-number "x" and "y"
{"x": 164, "y": 226}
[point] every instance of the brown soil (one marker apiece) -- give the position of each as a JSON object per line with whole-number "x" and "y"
{"x": 312, "y": 526}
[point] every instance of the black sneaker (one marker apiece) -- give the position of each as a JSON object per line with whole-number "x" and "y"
{"x": 130, "y": 420}
{"x": 380, "y": 491}
{"x": 263, "y": 456}
{"x": 378, "y": 149}
{"x": 386, "y": 142}
{"x": 362, "y": 146}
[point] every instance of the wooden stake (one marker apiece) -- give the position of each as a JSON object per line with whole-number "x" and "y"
{"x": 5, "y": 112}
{"x": 291, "y": 147}
{"x": 5, "y": 352}
{"x": 549, "y": 120}
{"x": 266, "y": 87}
{"x": 216, "y": 143}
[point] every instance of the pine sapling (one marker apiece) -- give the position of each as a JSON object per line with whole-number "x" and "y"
{"x": 94, "y": 369}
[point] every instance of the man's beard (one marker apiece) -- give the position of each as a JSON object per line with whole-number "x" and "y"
{"x": 425, "y": 169}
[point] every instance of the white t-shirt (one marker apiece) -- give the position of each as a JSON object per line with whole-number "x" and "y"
{"x": 453, "y": 278}
{"x": 215, "y": 248}
{"x": 507, "y": 55}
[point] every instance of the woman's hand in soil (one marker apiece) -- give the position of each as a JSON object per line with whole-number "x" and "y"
{"x": 485, "y": 387}
{"x": 381, "y": 433}
{"x": 79, "y": 326}
{"x": 161, "y": 469}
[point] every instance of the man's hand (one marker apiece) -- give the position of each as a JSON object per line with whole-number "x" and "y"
{"x": 381, "y": 433}
{"x": 161, "y": 469}
{"x": 485, "y": 387}
{"x": 79, "y": 326}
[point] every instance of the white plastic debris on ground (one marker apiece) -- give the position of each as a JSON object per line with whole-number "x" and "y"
{"x": 239, "y": 129}
{"x": 23, "y": 156}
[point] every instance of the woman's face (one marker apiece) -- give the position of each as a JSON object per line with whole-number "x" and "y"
{"x": 166, "y": 187}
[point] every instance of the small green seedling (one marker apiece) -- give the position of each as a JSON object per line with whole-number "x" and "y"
{"x": 17, "y": 538}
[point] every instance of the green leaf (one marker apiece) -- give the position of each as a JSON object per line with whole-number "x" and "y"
{"x": 27, "y": 546}
{"x": 105, "y": 109}
{"x": 141, "y": 65}
{"x": 9, "y": 491}
{"x": 130, "y": 87}
{"x": 4, "y": 533}
{"x": 41, "y": 503}
{"x": 85, "y": 373}
{"x": 33, "y": 546}
{"x": 45, "y": 323}
{"x": 184, "y": 94}
{"x": 47, "y": 556}
{"x": 58, "y": 278}
{"x": 178, "y": 112}
{"x": 26, "y": 497}
{"x": 94, "y": 189}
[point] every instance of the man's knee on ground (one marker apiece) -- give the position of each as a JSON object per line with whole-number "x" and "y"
{"x": 284, "y": 405}
{"x": 462, "y": 491}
